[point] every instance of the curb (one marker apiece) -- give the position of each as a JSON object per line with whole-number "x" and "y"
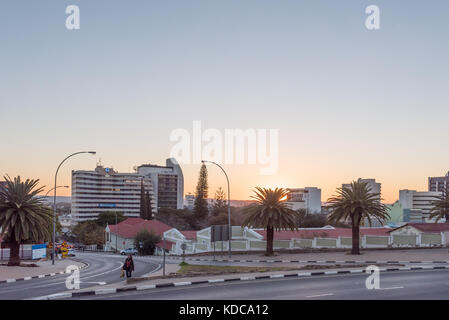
{"x": 43, "y": 275}
{"x": 210, "y": 281}
{"x": 303, "y": 261}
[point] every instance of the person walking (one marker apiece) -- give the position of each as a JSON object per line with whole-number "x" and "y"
{"x": 128, "y": 266}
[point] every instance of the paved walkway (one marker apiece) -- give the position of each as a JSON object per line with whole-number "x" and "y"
{"x": 375, "y": 255}
{"x": 45, "y": 268}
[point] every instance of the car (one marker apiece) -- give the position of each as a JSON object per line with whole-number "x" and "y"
{"x": 128, "y": 251}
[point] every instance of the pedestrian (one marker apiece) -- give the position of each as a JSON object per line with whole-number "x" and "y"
{"x": 128, "y": 266}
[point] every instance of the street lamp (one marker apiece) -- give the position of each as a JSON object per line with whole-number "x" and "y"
{"x": 54, "y": 200}
{"x": 229, "y": 205}
{"x": 53, "y": 189}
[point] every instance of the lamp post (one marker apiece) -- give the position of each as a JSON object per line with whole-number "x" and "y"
{"x": 116, "y": 233}
{"x": 53, "y": 189}
{"x": 54, "y": 199}
{"x": 229, "y": 205}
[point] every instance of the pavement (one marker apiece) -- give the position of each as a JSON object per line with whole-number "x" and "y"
{"x": 420, "y": 285}
{"x": 102, "y": 269}
{"x": 334, "y": 284}
{"x": 427, "y": 254}
{"x": 101, "y": 278}
{"x": 45, "y": 268}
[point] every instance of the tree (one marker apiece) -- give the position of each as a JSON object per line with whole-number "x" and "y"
{"x": 146, "y": 241}
{"x": 200, "y": 209}
{"x": 440, "y": 206}
{"x": 88, "y": 233}
{"x": 146, "y": 211}
{"x": 143, "y": 203}
{"x": 109, "y": 217}
{"x": 220, "y": 204}
{"x": 354, "y": 203}
{"x": 181, "y": 219}
{"x": 23, "y": 215}
{"x": 271, "y": 212}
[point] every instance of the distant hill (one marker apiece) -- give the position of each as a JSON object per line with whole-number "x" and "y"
{"x": 58, "y": 199}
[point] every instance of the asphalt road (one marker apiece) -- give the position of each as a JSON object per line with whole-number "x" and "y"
{"x": 102, "y": 269}
{"x": 432, "y": 284}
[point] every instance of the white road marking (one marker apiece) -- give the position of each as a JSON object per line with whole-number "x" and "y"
{"x": 391, "y": 288}
{"x": 320, "y": 295}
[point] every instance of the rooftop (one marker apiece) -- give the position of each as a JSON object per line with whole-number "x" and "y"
{"x": 427, "y": 227}
{"x": 131, "y": 226}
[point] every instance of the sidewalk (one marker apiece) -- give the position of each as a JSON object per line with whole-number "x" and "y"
{"x": 45, "y": 268}
{"x": 438, "y": 254}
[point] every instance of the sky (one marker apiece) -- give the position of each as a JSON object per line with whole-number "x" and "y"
{"x": 347, "y": 102}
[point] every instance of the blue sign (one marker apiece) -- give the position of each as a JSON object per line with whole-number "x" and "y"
{"x": 107, "y": 205}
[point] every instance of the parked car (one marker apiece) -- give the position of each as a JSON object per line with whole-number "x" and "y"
{"x": 128, "y": 251}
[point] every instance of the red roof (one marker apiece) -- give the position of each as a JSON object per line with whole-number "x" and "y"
{"x": 168, "y": 244}
{"x": 427, "y": 227}
{"x": 131, "y": 226}
{"x": 190, "y": 235}
{"x": 323, "y": 233}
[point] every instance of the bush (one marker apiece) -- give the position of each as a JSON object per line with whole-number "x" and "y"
{"x": 148, "y": 240}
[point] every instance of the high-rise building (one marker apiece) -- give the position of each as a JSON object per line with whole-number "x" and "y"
{"x": 168, "y": 183}
{"x": 439, "y": 183}
{"x": 104, "y": 189}
{"x": 375, "y": 187}
{"x": 308, "y": 198}
{"x": 414, "y": 201}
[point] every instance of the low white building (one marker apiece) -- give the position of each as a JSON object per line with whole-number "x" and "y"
{"x": 308, "y": 198}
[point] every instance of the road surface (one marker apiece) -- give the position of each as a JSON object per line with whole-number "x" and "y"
{"x": 102, "y": 269}
{"x": 422, "y": 284}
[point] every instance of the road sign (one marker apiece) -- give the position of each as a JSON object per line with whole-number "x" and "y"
{"x": 219, "y": 233}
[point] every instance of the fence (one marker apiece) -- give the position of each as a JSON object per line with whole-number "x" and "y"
{"x": 392, "y": 241}
{"x": 25, "y": 253}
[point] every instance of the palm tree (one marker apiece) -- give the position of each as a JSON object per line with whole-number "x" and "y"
{"x": 440, "y": 206}
{"x": 355, "y": 203}
{"x": 270, "y": 212}
{"x": 23, "y": 215}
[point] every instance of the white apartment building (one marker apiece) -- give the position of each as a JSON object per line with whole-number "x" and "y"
{"x": 308, "y": 198}
{"x": 418, "y": 200}
{"x": 189, "y": 201}
{"x": 374, "y": 186}
{"x": 104, "y": 189}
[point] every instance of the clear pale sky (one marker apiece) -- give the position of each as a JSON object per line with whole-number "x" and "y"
{"x": 348, "y": 102}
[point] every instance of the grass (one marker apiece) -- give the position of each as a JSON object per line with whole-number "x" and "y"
{"x": 192, "y": 269}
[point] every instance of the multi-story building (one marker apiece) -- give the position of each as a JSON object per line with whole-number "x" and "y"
{"x": 308, "y": 198}
{"x": 189, "y": 201}
{"x": 439, "y": 183}
{"x": 104, "y": 189}
{"x": 168, "y": 183}
{"x": 375, "y": 187}
{"x": 415, "y": 202}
